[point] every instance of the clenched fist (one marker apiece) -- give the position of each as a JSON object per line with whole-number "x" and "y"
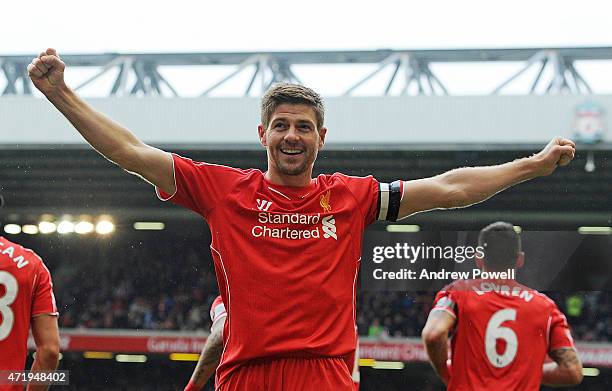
{"x": 47, "y": 72}
{"x": 559, "y": 152}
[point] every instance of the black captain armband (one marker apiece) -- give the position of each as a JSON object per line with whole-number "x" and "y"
{"x": 389, "y": 197}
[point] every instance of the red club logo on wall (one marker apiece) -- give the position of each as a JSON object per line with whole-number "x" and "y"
{"x": 589, "y": 123}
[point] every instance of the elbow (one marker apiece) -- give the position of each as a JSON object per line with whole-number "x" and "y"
{"x": 454, "y": 194}
{"x": 459, "y": 198}
{"x": 576, "y": 376}
{"x": 126, "y": 158}
{"x": 48, "y": 353}
{"x": 433, "y": 335}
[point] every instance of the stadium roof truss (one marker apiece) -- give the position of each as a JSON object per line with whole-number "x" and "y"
{"x": 139, "y": 73}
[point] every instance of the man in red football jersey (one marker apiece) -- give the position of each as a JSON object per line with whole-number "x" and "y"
{"x": 501, "y": 330}
{"x": 293, "y": 239}
{"x": 26, "y": 300}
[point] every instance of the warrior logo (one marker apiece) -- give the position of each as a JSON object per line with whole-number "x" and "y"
{"x": 263, "y": 205}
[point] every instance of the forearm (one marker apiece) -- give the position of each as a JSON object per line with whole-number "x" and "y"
{"x": 109, "y": 138}
{"x": 209, "y": 360}
{"x": 438, "y": 355}
{"x": 554, "y": 375}
{"x": 475, "y": 184}
{"x": 566, "y": 370}
{"x": 44, "y": 361}
{"x": 203, "y": 371}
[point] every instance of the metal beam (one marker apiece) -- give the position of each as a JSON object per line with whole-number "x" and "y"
{"x": 277, "y": 66}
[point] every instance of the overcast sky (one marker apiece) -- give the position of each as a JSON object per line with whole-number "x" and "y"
{"x": 74, "y": 26}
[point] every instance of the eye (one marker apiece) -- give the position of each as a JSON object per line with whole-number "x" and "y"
{"x": 279, "y": 125}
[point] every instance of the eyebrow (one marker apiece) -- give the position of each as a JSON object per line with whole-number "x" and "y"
{"x": 299, "y": 121}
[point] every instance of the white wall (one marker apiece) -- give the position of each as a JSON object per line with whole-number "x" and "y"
{"x": 354, "y": 120}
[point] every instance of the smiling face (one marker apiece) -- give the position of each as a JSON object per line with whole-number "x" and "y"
{"x": 292, "y": 140}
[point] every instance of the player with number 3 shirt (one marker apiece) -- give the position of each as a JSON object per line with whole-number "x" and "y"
{"x": 26, "y": 296}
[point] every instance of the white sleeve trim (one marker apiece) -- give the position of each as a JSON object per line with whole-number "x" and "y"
{"x": 384, "y": 201}
{"x": 218, "y": 318}
{"x": 451, "y": 313}
{"x": 173, "y": 178}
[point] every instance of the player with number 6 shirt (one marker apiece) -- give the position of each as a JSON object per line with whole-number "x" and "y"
{"x": 501, "y": 330}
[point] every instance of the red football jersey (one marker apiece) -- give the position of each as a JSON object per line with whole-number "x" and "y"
{"x": 286, "y": 258}
{"x": 25, "y": 291}
{"x": 502, "y": 334}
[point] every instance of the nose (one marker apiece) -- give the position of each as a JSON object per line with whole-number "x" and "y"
{"x": 292, "y": 135}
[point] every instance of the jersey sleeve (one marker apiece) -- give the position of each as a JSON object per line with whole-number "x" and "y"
{"x": 366, "y": 193}
{"x": 200, "y": 186}
{"x": 446, "y": 300}
{"x": 559, "y": 333}
{"x": 43, "y": 300}
{"x": 217, "y": 310}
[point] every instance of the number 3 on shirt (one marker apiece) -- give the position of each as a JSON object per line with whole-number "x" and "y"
{"x": 10, "y": 294}
{"x": 494, "y": 332}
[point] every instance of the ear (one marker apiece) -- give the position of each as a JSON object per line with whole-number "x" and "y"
{"x": 520, "y": 260}
{"x": 480, "y": 263}
{"x": 262, "y": 135}
{"x": 322, "y": 134}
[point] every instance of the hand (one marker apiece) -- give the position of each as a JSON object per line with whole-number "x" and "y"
{"x": 559, "y": 152}
{"x": 447, "y": 375}
{"x": 47, "y": 72}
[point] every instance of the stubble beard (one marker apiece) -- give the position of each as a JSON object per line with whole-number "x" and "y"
{"x": 291, "y": 170}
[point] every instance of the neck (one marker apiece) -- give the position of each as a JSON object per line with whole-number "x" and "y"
{"x": 280, "y": 179}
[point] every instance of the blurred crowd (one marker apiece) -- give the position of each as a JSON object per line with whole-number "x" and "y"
{"x": 171, "y": 285}
{"x": 159, "y": 287}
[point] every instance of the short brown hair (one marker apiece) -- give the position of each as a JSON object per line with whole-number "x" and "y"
{"x": 293, "y": 94}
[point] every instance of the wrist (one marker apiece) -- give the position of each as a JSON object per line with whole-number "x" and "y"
{"x": 530, "y": 167}
{"x": 192, "y": 386}
{"x": 58, "y": 92}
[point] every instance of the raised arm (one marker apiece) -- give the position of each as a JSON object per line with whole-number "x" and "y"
{"x": 469, "y": 185}
{"x": 110, "y": 139}
{"x": 435, "y": 338}
{"x": 46, "y": 337}
{"x": 209, "y": 358}
{"x": 566, "y": 370}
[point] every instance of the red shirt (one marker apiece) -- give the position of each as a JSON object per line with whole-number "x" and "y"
{"x": 25, "y": 291}
{"x": 286, "y": 258}
{"x": 503, "y": 333}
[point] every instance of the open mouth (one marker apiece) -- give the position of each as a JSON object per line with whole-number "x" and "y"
{"x": 291, "y": 151}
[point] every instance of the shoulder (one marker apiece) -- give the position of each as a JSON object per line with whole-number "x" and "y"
{"x": 15, "y": 250}
{"x": 544, "y": 300}
{"x": 460, "y": 285}
{"x": 457, "y": 290}
{"x": 182, "y": 161}
{"x": 338, "y": 176}
{"x": 354, "y": 184}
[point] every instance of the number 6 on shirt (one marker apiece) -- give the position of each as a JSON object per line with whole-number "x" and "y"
{"x": 494, "y": 332}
